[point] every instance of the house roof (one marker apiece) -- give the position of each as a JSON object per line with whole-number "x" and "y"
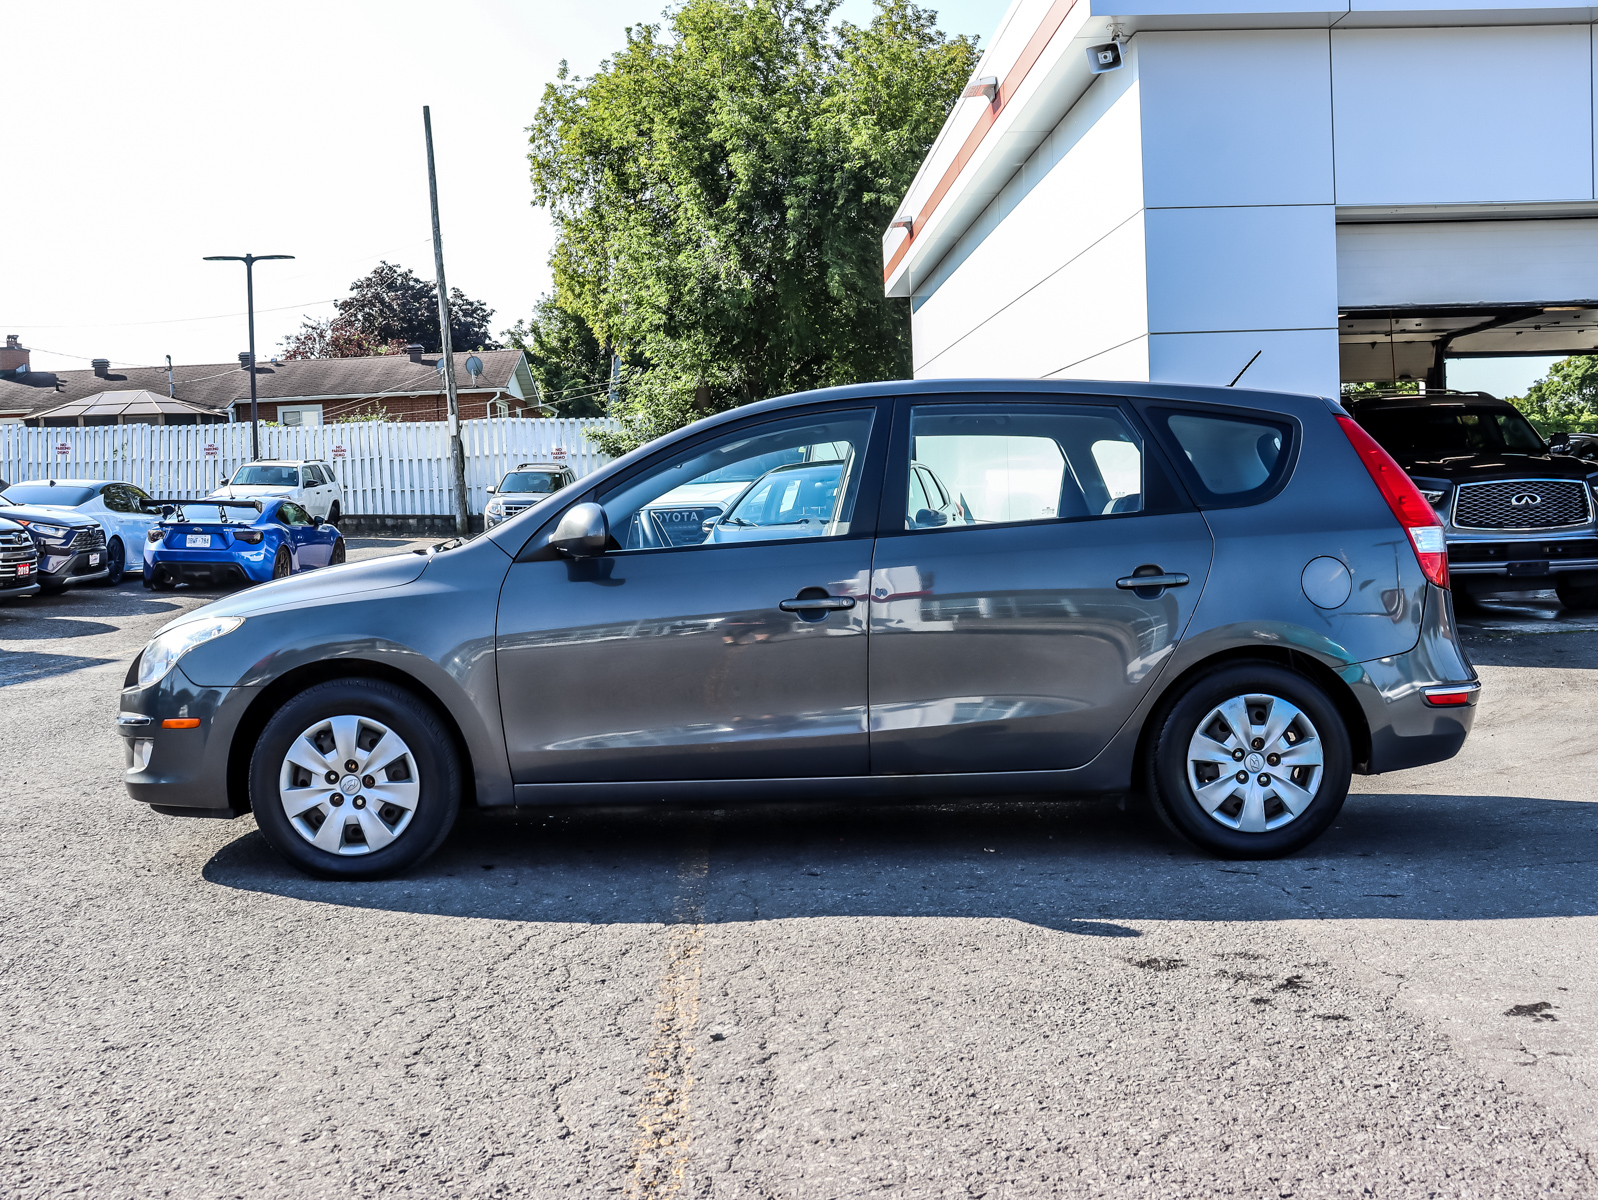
{"x": 213, "y": 387}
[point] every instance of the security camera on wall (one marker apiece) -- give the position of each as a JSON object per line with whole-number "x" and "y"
{"x": 1106, "y": 57}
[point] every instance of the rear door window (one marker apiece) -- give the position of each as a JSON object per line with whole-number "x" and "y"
{"x": 1227, "y": 459}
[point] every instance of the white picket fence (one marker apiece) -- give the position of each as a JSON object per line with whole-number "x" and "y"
{"x": 387, "y": 468}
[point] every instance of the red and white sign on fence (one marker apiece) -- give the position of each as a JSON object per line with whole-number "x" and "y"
{"x": 210, "y": 450}
{"x": 63, "y": 448}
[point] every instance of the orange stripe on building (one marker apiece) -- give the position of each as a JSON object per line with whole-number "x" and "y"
{"x": 1030, "y": 53}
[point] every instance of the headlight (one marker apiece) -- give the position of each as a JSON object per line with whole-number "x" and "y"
{"x": 1433, "y": 496}
{"x": 49, "y": 531}
{"x": 496, "y": 508}
{"x": 164, "y": 650}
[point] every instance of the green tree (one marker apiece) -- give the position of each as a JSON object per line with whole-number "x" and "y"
{"x": 567, "y": 360}
{"x": 1566, "y": 398}
{"x": 720, "y": 192}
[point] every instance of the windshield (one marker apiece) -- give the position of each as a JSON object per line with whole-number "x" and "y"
{"x": 532, "y": 481}
{"x": 802, "y": 495}
{"x": 44, "y": 493}
{"x": 1451, "y": 431}
{"x": 257, "y": 475}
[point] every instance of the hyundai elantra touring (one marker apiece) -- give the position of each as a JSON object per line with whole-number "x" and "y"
{"x": 1229, "y": 600}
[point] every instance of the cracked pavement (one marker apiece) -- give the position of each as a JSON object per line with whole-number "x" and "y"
{"x": 1005, "y": 999}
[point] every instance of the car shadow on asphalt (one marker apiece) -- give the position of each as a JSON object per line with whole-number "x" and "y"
{"x": 85, "y": 601}
{"x": 25, "y": 667}
{"x": 1081, "y": 867}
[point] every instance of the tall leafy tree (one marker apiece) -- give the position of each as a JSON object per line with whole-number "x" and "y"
{"x": 1566, "y": 398}
{"x": 720, "y": 190}
{"x": 388, "y": 309}
{"x": 571, "y": 367}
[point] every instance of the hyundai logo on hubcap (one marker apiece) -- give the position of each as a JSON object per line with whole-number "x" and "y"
{"x": 1525, "y": 499}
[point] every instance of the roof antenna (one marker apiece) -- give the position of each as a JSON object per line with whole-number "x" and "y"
{"x": 1246, "y": 366}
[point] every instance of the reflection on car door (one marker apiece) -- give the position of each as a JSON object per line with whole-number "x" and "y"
{"x": 661, "y": 662}
{"x": 1002, "y": 641}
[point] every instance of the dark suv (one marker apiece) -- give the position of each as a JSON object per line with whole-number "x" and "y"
{"x": 1519, "y": 512}
{"x": 1230, "y": 600}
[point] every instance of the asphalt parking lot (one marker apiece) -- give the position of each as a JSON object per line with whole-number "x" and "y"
{"x": 1000, "y": 1000}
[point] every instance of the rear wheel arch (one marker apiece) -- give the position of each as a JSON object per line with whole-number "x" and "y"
{"x": 1337, "y": 691}
{"x": 281, "y": 690}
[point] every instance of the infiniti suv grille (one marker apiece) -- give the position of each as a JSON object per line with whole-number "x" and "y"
{"x": 1522, "y": 504}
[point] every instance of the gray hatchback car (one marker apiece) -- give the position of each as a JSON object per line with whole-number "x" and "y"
{"x": 1229, "y": 600}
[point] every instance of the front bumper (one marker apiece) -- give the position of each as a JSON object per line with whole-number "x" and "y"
{"x": 64, "y": 570}
{"x": 1521, "y": 554}
{"x": 182, "y": 771}
{"x": 1400, "y": 695}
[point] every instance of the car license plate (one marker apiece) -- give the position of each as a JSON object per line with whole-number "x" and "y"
{"x": 198, "y": 541}
{"x": 94, "y": 560}
{"x": 1529, "y": 568}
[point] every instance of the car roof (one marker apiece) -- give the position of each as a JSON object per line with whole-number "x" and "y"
{"x": 538, "y": 466}
{"x": 67, "y": 482}
{"x": 285, "y": 462}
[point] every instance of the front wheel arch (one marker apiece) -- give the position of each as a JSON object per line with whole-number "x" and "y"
{"x": 275, "y": 694}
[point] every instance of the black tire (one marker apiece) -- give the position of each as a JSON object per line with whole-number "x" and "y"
{"x": 160, "y": 581}
{"x": 1176, "y": 722}
{"x": 1573, "y": 595}
{"x": 338, "y": 553}
{"x": 431, "y": 747}
{"x": 116, "y": 560}
{"x": 52, "y": 589}
{"x": 282, "y": 565}
{"x": 333, "y": 514}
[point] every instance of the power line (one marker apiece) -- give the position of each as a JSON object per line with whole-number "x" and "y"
{"x": 173, "y": 321}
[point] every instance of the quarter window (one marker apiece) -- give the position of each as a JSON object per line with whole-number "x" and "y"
{"x": 1232, "y": 459}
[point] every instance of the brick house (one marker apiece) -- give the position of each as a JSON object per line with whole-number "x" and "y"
{"x": 318, "y": 391}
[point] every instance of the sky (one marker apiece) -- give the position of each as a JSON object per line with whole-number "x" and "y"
{"x": 140, "y": 138}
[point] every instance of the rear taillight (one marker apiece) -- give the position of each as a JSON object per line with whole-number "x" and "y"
{"x": 252, "y": 536}
{"x": 156, "y": 535}
{"x": 1404, "y": 498}
{"x": 1458, "y": 696}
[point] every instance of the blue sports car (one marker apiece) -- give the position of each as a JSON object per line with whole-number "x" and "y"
{"x": 266, "y": 539}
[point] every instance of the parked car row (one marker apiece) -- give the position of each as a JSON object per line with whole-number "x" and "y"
{"x": 270, "y": 520}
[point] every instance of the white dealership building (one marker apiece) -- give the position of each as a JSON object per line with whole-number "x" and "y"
{"x": 1328, "y": 194}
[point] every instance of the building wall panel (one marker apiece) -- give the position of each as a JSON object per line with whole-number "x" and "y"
{"x": 1236, "y": 117}
{"x": 1297, "y": 360}
{"x": 1463, "y": 115}
{"x": 1467, "y": 262}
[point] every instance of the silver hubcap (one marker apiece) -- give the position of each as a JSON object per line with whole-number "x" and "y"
{"x": 349, "y": 785}
{"x": 1255, "y": 763}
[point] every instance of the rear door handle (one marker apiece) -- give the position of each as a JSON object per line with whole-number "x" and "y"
{"x": 818, "y": 604}
{"x": 1138, "y": 582}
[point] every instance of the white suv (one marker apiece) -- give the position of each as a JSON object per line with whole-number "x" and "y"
{"x": 310, "y": 483}
{"x": 524, "y": 487}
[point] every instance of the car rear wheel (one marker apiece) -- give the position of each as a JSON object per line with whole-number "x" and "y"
{"x": 1250, "y": 761}
{"x": 1574, "y": 595}
{"x": 355, "y": 779}
{"x": 116, "y": 561}
{"x": 282, "y": 565}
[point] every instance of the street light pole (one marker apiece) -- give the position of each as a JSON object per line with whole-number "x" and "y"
{"x": 249, "y": 261}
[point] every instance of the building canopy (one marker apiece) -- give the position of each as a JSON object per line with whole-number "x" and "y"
{"x": 124, "y": 408}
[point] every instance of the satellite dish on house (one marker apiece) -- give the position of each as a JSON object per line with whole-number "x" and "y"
{"x": 474, "y": 365}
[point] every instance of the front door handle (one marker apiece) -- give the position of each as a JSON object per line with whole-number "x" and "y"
{"x": 816, "y": 604}
{"x": 1136, "y": 583}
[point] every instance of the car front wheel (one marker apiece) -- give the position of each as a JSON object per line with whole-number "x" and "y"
{"x": 116, "y": 561}
{"x": 355, "y": 779}
{"x": 1250, "y": 761}
{"x": 1574, "y": 595}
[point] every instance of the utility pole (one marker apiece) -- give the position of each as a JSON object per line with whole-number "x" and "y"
{"x": 249, "y": 261}
{"x": 457, "y": 456}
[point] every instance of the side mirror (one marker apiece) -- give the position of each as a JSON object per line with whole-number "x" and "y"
{"x": 222, "y": 482}
{"x": 584, "y": 530}
{"x": 929, "y": 518}
{"x": 490, "y": 489}
{"x": 1559, "y": 440}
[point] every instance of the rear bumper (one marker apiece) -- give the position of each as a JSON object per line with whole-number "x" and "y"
{"x": 1400, "y": 695}
{"x": 206, "y": 568}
